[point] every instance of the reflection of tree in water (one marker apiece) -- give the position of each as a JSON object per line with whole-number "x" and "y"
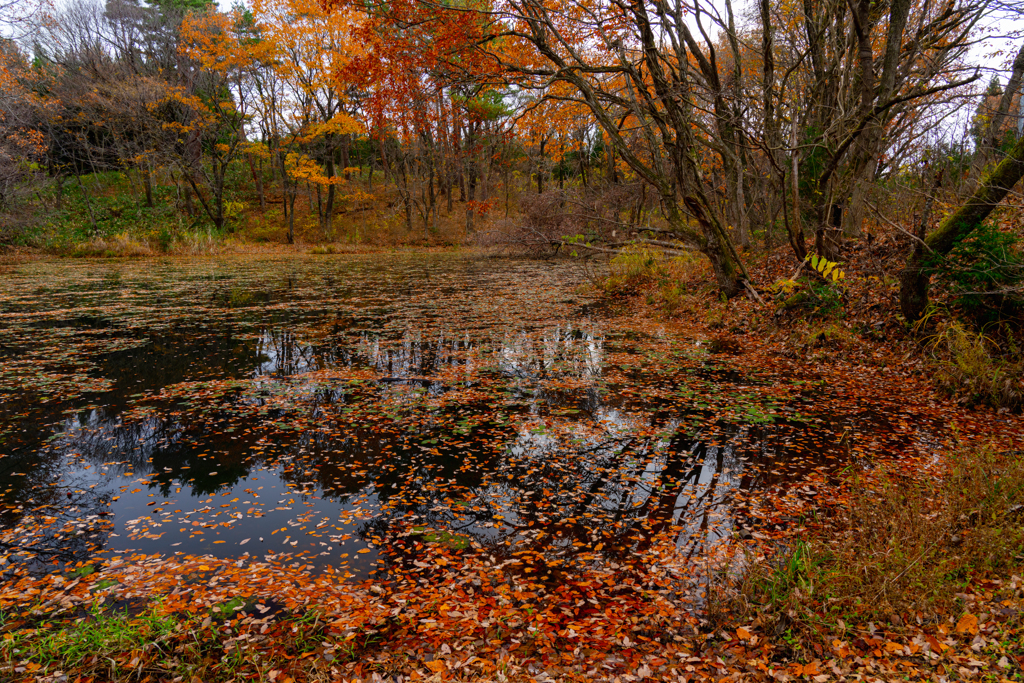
{"x": 568, "y": 499}
{"x": 558, "y": 351}
{"x": 280, "y": 352}
{"x": 58, "y": 528}
{"x": 162, "y": 448}
{"x": 564, "y": 499}
{"x": 43, "y": 522}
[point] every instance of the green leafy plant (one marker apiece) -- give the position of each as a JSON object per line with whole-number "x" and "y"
{"x": 966, "y": 366}
{"x": 983, "y": 272}
{"x": 827, "y": 269}
{"x": 823, "y": 293}
{"x": 233, "y": 209}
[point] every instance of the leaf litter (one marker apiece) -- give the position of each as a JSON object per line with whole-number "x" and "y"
{"x": 461, "y": 467}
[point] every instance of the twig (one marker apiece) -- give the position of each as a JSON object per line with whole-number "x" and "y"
{"x": 800, "y": 268}
{"x": 898, "y": 227}
{"x": 753, "y": 292}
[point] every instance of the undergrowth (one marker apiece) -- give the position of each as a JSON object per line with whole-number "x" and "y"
{"x": 668, "y": 280}
{"x": 901, "y": 548}
{"x": 110, "y": 644}
{"x": 969, "y": 365}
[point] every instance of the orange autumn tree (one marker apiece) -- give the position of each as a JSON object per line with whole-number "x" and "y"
{"x": 213, "y": 108}
{"x": 434, "y": 103}
{"x": 279, "y": 70}
{"x": 21, "y": 143}
{"x": 310, "y": 52}
{"x": 612, "y": 60}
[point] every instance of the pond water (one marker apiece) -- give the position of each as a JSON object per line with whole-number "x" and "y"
{"x": 352, "y": 410}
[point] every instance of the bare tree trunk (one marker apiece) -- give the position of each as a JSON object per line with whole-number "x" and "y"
{"x": 190, "y": 208}
{"x": 995, "y": 128}
{"x": 796, "y": 228}
{"x": 258, "y": 179}
{"x": 540, "y": 166}
{"x": 290, "y": 203}
{"x": 147, "y": 183}
{"x": 327, "y": 218}
{"x": 406, "y": 192}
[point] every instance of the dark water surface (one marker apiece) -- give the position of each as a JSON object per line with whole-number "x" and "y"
{"x": 339, "y": 408}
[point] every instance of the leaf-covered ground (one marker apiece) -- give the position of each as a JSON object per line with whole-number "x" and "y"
{"x": 431, "y": 466}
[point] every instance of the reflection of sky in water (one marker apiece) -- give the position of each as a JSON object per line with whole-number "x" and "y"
{"x": 354, "y": 401}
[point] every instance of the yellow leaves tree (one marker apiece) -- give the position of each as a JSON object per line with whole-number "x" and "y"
{"x": 310, "y": 51}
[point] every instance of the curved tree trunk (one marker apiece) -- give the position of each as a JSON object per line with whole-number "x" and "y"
{"x": 914, "y": 279}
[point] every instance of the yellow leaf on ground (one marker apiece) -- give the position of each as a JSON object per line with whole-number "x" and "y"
{"x": 742, "y": 634}
{"x": 436, "y": 666}
{"x": 968, "y": 624}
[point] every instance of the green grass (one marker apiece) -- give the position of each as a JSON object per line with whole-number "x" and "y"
{"x": 103, "y": 643}
{"x": 111, "y": 645}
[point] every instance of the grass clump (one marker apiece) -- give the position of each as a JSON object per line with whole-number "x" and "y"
{"x": 900, "y": 548}
{"x": 196, "y": 243}
{"x": 967, "y": 365}
{"x": 227, "y": 642}
{"x": 120, "y": 245}
{"x": 106, "y": 644}
{"x": 667, "y": 279}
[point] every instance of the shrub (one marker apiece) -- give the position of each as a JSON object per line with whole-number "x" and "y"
{"x": 965, "y": 366}
{"x": 982, "y": 271}
{"x": 119, "y": 245}
{"x": 821, "y": 292}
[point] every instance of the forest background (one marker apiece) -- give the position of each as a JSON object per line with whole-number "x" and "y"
{"x": 130, "y": 129}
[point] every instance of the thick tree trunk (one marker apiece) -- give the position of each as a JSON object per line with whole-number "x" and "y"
{"x": 715, "y": 244}
{"x": 914, "y": 279}
{"x": 853, "y": 225}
